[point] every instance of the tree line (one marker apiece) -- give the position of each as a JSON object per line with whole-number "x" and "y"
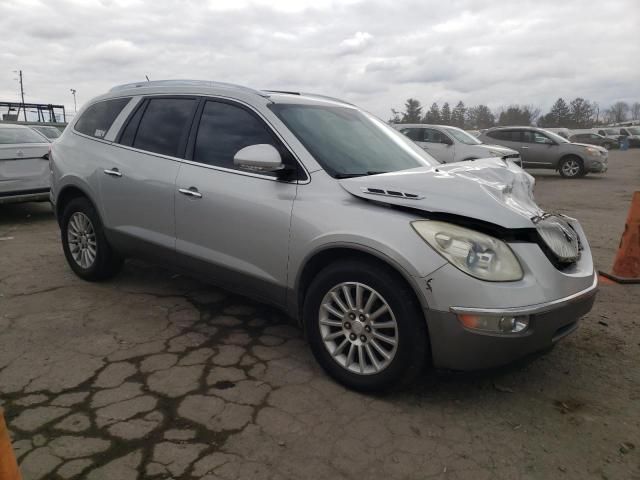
{"x": 578, "y": 113}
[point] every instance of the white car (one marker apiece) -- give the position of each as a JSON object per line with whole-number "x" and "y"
{"x": 451, "y": 144}
{"x": 24, "y": 165}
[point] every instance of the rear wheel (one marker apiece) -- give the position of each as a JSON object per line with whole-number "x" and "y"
{"x": 365, "y": 326}
{"x": 85, "y": 246}
{"x": 571, "y": 167}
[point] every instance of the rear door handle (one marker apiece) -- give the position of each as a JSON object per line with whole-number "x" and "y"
{"x": 114, "y": 172}
{"x": 190, "y": 192}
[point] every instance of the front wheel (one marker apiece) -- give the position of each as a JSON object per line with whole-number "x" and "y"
{"x": 365, "y": 326}
{"x": 571, "y": 167}
{"x": 85, "y": 246}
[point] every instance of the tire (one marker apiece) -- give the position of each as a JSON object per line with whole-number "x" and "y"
{"x": 405, "y": 360}
{"x": 81, "y": 222}
{"x": 571, "y": 167}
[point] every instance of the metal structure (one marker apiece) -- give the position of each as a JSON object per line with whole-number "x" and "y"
{"x": 46, "y": 112}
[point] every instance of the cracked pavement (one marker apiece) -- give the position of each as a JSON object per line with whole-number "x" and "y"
{"x": 156, "y": 375}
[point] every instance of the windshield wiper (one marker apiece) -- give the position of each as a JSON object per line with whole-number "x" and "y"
{"x": 353, "y": 175}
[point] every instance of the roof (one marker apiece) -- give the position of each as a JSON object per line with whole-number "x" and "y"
{"x": 209, "y": 87}
{"x": 12, "y": 125}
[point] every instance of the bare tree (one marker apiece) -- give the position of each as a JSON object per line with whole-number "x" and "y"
{"x": 619, "y": 111}
{"x": 635, "y": 111}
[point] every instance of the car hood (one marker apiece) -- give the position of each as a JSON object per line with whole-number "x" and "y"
{"x": 499, "y": 149}
{"x": 489, "y": 189}
{"x": 602, "y": 149}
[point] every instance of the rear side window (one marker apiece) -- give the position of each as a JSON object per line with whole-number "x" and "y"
{"x": 10, "y": 136}
{"x": 224, "y": 130}
{"x": 97, "y": 119}
{"x": 508, "y": 135}
{"x": 164, "y": 126}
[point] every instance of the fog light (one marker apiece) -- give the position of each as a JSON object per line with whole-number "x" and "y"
{"x": 497, "y": 324}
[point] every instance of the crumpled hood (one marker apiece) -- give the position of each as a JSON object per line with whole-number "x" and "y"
{"x": 487, "y": 189}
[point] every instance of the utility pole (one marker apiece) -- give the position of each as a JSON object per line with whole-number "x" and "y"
{"x": 24, "y": 110}
{"x": 73, "y": 92}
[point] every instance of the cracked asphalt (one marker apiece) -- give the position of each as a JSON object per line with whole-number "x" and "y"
{"x": 156, "y": 375}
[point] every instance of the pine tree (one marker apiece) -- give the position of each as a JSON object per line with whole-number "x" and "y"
{"x": 445, "y": 114}
{"x": 433, "y": 115}
{"x": 413, "y": 111}
{"x": 458, "y": 115}
{"x": 559, "y": 115}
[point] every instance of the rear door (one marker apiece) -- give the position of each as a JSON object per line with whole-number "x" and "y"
{"x": 24, "y": 166}
{"x": 137, "y": 177}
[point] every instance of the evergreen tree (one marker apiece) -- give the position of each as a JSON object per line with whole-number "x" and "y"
{"x": 559, "y": 115}
{"x": 433, "y": 115}
{"x": 480, "y": 116}
{"x": 458, "y": 115}
{"x": 412, "y": 112}
{"x": 445, "y": 114}
{"x": 581, "y": 113}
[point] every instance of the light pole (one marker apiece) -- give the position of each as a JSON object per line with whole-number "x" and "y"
{"x": 73, "y": 92}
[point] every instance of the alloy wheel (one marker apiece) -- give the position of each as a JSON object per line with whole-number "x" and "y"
{"x": 81, "y": 237}
{"x": 358, "y": 328}
{"x": 571, "y": 168}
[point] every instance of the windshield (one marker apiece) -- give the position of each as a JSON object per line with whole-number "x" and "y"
{"x": 634, "y": 130}
{"x": 462, "y": 136}
{"x": 555, "y": 137}
{"x": 348, "y": 142}
{"x": 19, "y": 135}
{"x": 49, "y": 132}
{"x": 610, "y": 131}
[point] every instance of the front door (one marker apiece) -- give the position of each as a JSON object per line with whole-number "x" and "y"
{"x": 233, "y": 225}
{"x": 438, "y": 145}
{"x": 538, "y": 150}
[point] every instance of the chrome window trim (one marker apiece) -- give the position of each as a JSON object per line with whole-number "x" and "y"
{"x": 532, "y": 309}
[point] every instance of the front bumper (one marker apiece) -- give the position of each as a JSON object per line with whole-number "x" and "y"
{"x": 455, "y": 347}
{"x": 599, "y": 166}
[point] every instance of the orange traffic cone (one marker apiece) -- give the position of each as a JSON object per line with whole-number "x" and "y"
{"x": 626, "y": 266}
{"x": 8, "y": 465}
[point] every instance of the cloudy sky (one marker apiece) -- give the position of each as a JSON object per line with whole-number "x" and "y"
{"x": 371, "y": 52}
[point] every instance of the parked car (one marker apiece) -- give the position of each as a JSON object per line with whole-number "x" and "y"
{"x": 540, "y": 148}
{"x": 50, "y": 132}
{"x": 450, "y": 144}
{"x": 286, "y": 197}
{"x": 612, "y": 134}
{"x": 24, "y": 166}
{"x": 592, "y": 139}
{"x": 632, "y": 134}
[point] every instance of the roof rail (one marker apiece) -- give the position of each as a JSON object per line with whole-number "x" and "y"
{"x": 187, "y": 83}
{"x": 315, "y": 95}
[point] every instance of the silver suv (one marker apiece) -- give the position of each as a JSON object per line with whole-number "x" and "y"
{"x": 387, "y": 258}
{"x": 541, "y": 148}
{"x": 451, "y": 144}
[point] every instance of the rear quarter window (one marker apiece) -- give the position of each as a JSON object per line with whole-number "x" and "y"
{"x": 98, "y": 118}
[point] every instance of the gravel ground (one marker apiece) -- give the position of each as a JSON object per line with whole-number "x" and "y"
{"x": 155, "y": 375}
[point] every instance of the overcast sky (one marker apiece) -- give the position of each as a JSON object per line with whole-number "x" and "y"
{"x": 372, "y": 53}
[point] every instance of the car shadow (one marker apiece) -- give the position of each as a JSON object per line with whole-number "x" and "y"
{"x": 16, "y": 213}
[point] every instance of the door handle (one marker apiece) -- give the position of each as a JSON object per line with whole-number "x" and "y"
{"x": 20, "y": 154}
{"x": 114, "y": 172}
{"x": 190, "y": 192}
{"x": 524, "y": 147}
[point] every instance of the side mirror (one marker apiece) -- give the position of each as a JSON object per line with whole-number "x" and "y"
{"x": 447, "y": 141}
{"x": 259, "y": 158}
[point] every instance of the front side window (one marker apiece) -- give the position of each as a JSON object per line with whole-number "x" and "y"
{"x": 463, "y": 137}
{"x": 224, "y": 130}
{"x": 348, "y": 142}
{"x": 164, "y": 126}
{"x": 98, "y": 118}
{"x": 415, "y": 134}
{"x": 434, "y": 136}
{"x": 10, "y": 136}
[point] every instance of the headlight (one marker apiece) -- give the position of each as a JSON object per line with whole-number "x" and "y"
{"x": 475, "y": 253}
{"x": 593, "y": 151}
